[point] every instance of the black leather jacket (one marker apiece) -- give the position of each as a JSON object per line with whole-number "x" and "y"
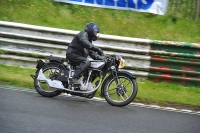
{"x": 82, "y": 46}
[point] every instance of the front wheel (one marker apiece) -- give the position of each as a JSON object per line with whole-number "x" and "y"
{"x": 120, "y": 94}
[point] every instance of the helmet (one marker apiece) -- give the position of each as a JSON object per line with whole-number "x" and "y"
{"x": 92, "y": 29}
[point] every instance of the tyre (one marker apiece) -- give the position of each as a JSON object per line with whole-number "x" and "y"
{"x": 49, "y": 70}
{"x": 122, "y": 94}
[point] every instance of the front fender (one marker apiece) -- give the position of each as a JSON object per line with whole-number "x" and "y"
{"x": 118, "y": 73}
{"x": 128, "y": 73}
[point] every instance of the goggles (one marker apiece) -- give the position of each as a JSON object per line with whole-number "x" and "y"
{"x": 96, "y": 34}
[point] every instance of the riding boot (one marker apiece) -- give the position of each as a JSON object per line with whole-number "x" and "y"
{"x": 76, "y": 76}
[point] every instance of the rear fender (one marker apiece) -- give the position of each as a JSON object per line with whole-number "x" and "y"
{"x": 41, "y": 64}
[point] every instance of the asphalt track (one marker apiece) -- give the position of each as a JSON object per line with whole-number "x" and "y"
{"x": 28, "y": 112}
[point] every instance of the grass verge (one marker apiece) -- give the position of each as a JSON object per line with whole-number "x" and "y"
{"x": 163, "y": 94}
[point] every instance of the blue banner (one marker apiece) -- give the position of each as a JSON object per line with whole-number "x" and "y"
{"x": 151, "y": 6}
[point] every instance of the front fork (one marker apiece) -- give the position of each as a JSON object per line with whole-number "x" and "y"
{"x": 114, "y": 73}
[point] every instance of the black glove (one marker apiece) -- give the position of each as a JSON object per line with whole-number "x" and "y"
{"x": 102, "y": 57}
{"x": 98, "y": 50}
{"x": 96, "y": 56}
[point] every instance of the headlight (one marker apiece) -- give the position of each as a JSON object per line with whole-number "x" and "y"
{"x": 121, "y": 63}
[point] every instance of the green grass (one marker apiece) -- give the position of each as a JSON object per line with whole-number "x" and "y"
{"x": 16, "y": 76}
{"x": 165, "y": 92}
{"x": 148, "y": 92}
{"x": 115, "y": 22}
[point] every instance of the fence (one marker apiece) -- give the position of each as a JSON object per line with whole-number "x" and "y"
{"x": 22, "y": 45}
{"x": 187, "y": 8}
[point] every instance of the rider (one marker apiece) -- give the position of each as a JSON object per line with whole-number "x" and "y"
{"x": 80, "y": 47}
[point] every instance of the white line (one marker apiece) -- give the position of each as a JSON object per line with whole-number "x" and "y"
{"x": 102, "y": 100}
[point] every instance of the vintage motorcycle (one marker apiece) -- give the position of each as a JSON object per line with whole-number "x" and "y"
{"x": 118, "y": 87}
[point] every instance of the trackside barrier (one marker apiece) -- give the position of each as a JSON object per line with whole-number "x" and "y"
{"x": 23, "y": 44}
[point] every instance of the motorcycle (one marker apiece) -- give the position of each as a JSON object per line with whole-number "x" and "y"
{"x": 118, "y": 87}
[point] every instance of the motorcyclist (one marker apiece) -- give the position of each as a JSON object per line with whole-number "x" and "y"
{"x": 80, "y": 47}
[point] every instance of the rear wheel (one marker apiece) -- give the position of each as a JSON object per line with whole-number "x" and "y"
{"x": 120, "y": 94}
{"x": 50, "y": 70}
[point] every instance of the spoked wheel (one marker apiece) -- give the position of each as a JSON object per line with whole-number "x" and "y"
{"x": 50, "y": 71}
{"x": 122, "y": 93}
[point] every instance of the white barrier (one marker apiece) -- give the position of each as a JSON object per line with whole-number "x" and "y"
{"x": 23, "y": 44}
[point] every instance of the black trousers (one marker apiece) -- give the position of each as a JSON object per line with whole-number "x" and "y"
{"x": 81, "y": 62}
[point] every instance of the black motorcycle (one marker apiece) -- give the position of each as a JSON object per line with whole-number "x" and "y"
{"x": 118, "y": 87}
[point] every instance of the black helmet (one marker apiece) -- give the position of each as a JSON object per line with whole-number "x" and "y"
{"x": 92, "y": 29}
